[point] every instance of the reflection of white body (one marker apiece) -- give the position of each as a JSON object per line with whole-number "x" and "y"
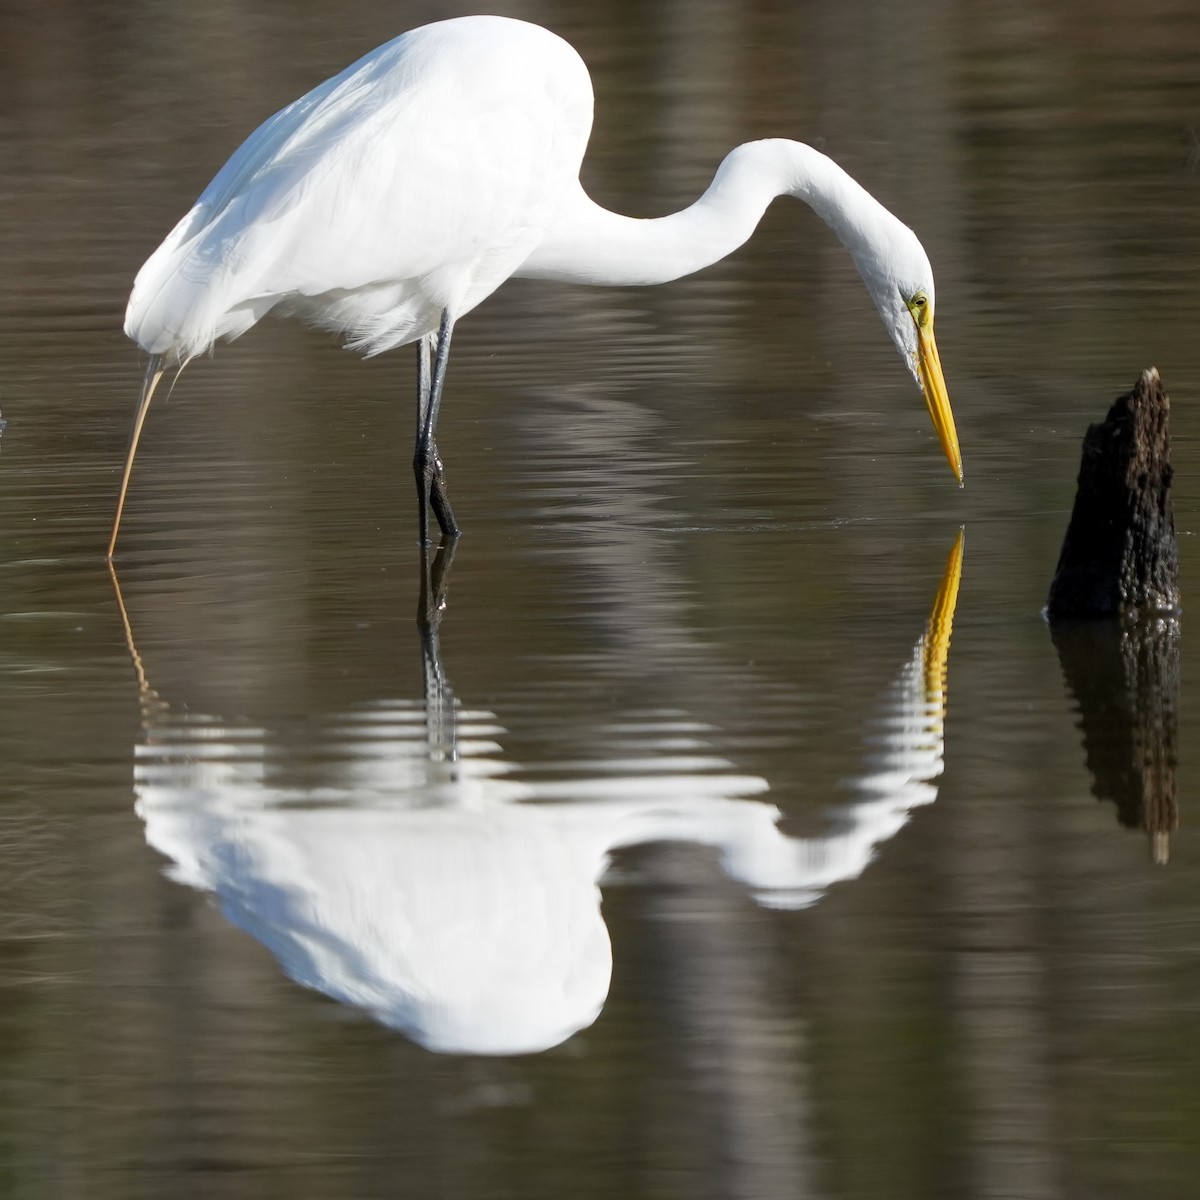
{"x": 428, "y": 890}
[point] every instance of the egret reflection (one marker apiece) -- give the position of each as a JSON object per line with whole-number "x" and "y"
{"x": 435, "y": 884}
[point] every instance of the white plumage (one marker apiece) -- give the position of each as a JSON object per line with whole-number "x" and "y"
{"x": 393, "y": 198}
{"x": 414, "y": 182}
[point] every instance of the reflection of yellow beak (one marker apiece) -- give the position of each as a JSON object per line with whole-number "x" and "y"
{"x": 937, "y": 631}
{"x": 936, "y": 400}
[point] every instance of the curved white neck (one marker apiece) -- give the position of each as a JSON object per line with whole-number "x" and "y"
{"x": 588, "y": 244}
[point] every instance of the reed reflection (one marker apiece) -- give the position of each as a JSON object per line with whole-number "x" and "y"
{"x": 437, "y": 886}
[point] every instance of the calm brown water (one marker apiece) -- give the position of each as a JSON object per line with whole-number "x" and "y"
{"x": 281, "y": 887}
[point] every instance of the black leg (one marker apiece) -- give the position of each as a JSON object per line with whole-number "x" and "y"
{"x": 427, "y": 463}
{"x": 423, "y": 382}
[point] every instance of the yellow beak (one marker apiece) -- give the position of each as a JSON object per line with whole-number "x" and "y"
{"x": 936, "y": 399}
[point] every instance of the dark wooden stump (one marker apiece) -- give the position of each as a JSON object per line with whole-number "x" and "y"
{"x": 1120, "y": 552}
{"x": 1114, "y": 607}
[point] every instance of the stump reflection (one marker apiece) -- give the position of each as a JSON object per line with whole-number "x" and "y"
{"x": 1124, "y": 676}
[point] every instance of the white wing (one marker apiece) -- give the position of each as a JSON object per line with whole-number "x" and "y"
{"x": 416, "y": 180}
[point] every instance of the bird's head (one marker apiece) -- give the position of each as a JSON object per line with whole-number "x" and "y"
{"x": 896, "y": 270}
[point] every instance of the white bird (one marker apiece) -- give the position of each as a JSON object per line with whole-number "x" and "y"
{"x": 396, "y": 196}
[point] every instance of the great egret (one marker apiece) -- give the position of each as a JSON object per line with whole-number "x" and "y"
{"x": 396, "y": 196}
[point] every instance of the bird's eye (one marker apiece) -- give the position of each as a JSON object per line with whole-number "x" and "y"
{"x": 918, "y": 305}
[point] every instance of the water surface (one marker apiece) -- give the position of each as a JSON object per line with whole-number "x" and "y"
{"x": 685, "y": 649}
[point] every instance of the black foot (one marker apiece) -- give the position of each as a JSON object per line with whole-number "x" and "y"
{"x": 441, "y": 505}
{"x": 431, "y": 493}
